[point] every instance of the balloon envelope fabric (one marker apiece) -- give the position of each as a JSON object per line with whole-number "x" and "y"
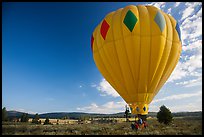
{"x": 136, "y": 48}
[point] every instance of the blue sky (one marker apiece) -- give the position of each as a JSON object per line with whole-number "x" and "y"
{"x": 47, "y": 63}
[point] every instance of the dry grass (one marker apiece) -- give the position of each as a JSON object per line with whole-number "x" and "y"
{"x": 179, "y": 126}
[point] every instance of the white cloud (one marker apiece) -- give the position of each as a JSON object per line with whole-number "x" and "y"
{"x": 191, "y": 30}
{"x": 191, "y": 34}
{"x": 187, "y": 12}
{"x": 196, "y": 45}
{"x": 190, "y": 9}
{"x": 191, "y": 106}
{"x": 115, "y": 107}
{"x": 178, "y": 96}
{"x": 93, "y": 85}
{"x": 160, "y": 5}
{"x": 178, "y": 73}
{"x": 189, "y": 67}
{"x": 107, "y": 108}
{"x": 191, "y": 27}
{"x": 194, "y": 62}
{"x": 106, "y": 89}
{"x": 191, "y": 83}
{"x": 193, "y": 17}
{"x": 169, "y": 11}
{"x": 177, "y": 4}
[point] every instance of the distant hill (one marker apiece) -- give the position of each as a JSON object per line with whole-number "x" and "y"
{"x": 77, "y": 115}
{"x": 17, "y": 114}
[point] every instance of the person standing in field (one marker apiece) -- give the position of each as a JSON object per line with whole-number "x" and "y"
{"x": 145, "y": 124}
{"x": 140, "y": 121}
{"x": 132, "y": 126}
{"x": 136, "y": 125}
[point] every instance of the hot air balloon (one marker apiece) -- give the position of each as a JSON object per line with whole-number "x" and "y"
{"x": 136, "y": 48}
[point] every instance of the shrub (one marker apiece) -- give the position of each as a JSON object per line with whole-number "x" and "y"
{"x": 164, "y": 115}
{"x": 36, "y": 119}
{"x": 47, "y": 122}
{"x": 24, "y": 117}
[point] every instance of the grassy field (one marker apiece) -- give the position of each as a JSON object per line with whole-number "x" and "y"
{"x": 179, "y": 126}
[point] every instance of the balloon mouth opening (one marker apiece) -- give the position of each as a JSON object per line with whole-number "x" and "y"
{"x": 139, "y": 108}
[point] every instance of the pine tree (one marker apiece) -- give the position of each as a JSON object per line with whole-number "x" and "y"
{"x": 24, "y": 117}
{"x": 47, "y": 121}
{"x": 36, "y": 119}
{"x": 4, "y": 114}
{"x": 164, "y": 115}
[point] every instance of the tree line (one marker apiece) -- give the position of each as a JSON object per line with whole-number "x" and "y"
{"x": 163, "y": 116}
{"x": 24, "y": 118}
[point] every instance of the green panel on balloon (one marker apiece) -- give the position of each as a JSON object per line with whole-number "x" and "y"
{"x": 130, "y": 20}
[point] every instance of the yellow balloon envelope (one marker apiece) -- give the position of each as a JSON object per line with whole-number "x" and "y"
{"x": 136, "y": 48}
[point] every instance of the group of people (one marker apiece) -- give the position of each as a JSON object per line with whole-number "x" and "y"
{"x": 139, "y": 124}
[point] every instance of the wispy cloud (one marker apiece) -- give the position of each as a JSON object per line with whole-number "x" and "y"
{"x": 196, "y": 45}
{"x": 190, "y": 64}
{"x": 106, "y": 89}
{"x": 190, "y": 9}
{"x": 180, "y": 107}
{"x": 178, "y": 97}
{"x": 169, "y": 11}
{"x": 119, "y": 106}
{"x": 191, "y": 106}
{"x": 107, "y": 108}
{"x": 191, "y": 83}
{"x": 177, "y": 4}
{"x": 93, "y": 85}
{"x": 160, "y": 5}
{"x": 188, "y": 68}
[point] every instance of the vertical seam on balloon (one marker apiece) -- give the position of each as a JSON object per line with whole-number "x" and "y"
{"x": 144, "y": 93}
{"x": 156, "y": 70}
{"x": 157, "y": 67}
{"x": 118, "y": 58}
{"x": 137, "y": 95}
{"x": 150, "y": 50}
{"x": 111, "y": 25}
{"x": 171, "y": 48}
{"x": 134, "y": 64}
{"x": 155, "y": 92}
{"x": 134, "y": 81}
{"x": 165, "y": 64}
{"x": 98, "y": 33}
{"x": 139, "y": 45}
{"x": 118, "y": 61}
{"x": 169, "y": 52}
{"x": 124, "y": 45}
{"x": 139, "y": 65}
